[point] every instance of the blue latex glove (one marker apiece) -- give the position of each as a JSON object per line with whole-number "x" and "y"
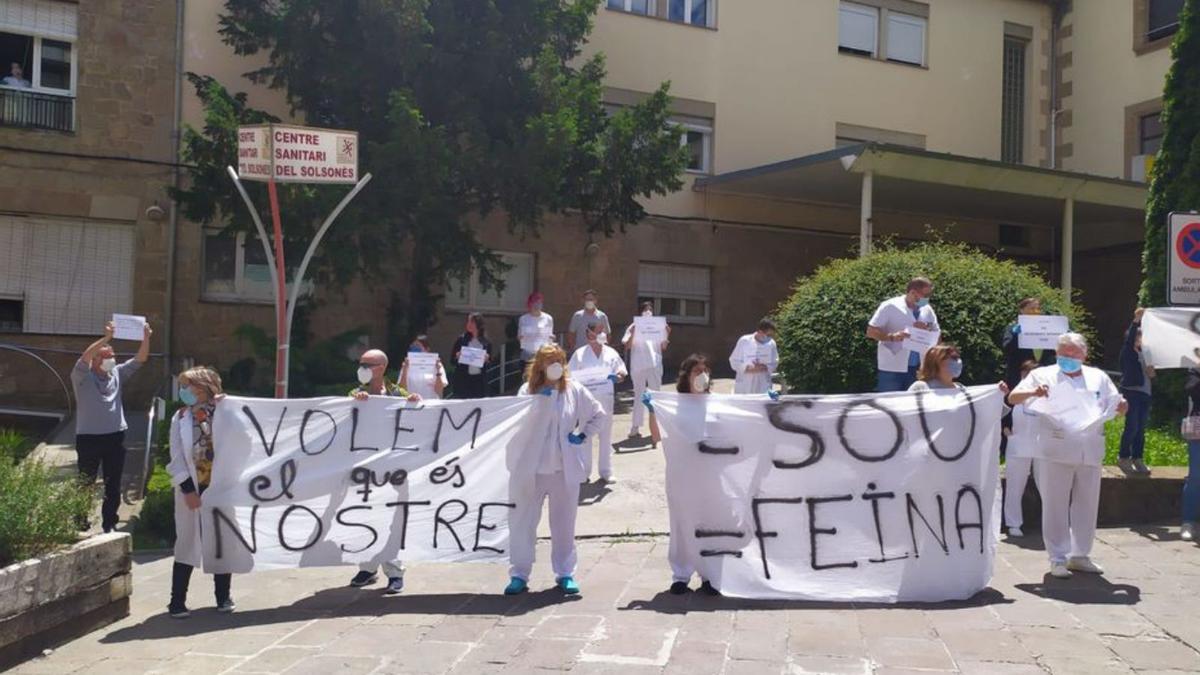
{"x": 1016, "y": 329}
{"x": 774, "y": 395}
{"x": 575, "y": 439}
{"x": 546, "y": 391}
{"x": 612, "y": 378}
{"x": 648, "y": 401}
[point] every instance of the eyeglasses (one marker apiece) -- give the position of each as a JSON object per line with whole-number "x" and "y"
{"x": 368, "y": 365}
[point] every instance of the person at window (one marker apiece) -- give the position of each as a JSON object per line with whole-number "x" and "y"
{"x": 588, "y": 318}
{"x": 646, "y": 366}
{"x": 547, "y": 462}
{"x": 1019, "y": 462}
{"x": 535, "y": 327}
{"x": 15, "y": 77}
{"x": 470, "y": 381}
{"x": 599, "y": 360}
{"x": 372, "y": 369}
{"x": 890, "y": 325}
{"x": 1069, "y": 461}
{"x": 1135, "y": 387}
{"x": 190, "y": 468}
{"x": 755, "y": 359}
{"x": 100, "y": 417}
{"x": 427, "y": 386}
{"x": 1191, "y": 485}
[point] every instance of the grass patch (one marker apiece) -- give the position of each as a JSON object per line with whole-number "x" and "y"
{"x": 1164, "y": 446}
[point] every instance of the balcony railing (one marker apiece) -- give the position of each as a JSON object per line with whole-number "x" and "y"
{"x": 33, "y": 110}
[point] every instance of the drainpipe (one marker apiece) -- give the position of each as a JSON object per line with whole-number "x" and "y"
{"x": 173, "y": 225}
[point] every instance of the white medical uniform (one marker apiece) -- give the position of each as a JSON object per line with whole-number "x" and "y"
{"x": 188, "y": 549}
{"x": 744, "y": 356}
{"x": 1018, "y": 463}
{"x": 893, "y": 316}
{"x": 585, "y": 358}
{"x": 532, "y": 332}
{"x": 543, "y": 464}
{"x": 646, "y": 370}
{"x": 1068, "y": 465}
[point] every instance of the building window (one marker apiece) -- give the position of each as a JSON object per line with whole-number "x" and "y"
{"x": 235, "y": 268}
{"x": 1014, "y": 236}
{"x": 470, "y": 295}
{"x": 1012, "y": 112}
{"x": 1150, "y": 133}
{"x": 37, "y": 63}
{"x": 906, "y": 39}
{"x": 696, "y": 136}
{"x": 858, "y": 29}
{"x": 633, "y": 6}
{"x": 64, "y": 277}
{"x": 1162, "y": 18}
{"x": 694, "y": 12}
{"x": 682, "y": 293}
{"x": 902, "y": 38}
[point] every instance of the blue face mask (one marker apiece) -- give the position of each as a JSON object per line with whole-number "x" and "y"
{"x": 956, "y": 368}
{"x": 922, "y": 302}
{"x": 1069, "y": 365}
{"x": 187, "y": 396}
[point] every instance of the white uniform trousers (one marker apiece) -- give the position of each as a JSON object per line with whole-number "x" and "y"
{"x": 1016, "y": 474}
{"x": 1070, "y": 502}
{"x": 523, "y": 525}
{"x": 605, "y": 439}
{"x": 395, "y": 568}
{"x": 644, "y": 380}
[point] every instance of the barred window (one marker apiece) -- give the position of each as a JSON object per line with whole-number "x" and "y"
{"x": 1012, "y": 118}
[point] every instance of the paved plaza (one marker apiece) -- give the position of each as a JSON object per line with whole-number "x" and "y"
{"x": 1143, "y": 616}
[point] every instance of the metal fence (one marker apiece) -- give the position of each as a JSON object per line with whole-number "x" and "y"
{"x": 20, "y": 108}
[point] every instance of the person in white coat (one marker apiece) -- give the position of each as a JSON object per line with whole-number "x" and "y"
{"x": 645, "y": 366}
{"x": 891, "y": 325}
{"x": 755, "y": 359}
{"x": 547, "y": 462}
{"x": 428, "y": 386}
{"x": 1019, "y": 462}
{"x": 1068, "y": 460}
{"x": 600, "y": 368}
{"x": 190, "y": 468}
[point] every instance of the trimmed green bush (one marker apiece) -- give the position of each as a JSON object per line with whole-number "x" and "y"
{"x": 823, "y": 346}
{"x": 39, "y": 511}
{"x": 157, "y": 519}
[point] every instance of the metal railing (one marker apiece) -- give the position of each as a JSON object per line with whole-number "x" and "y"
{"x": 33, "y": 110}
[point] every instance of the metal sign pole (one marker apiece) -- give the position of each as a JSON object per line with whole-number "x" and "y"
{"x": 281, "y": 323}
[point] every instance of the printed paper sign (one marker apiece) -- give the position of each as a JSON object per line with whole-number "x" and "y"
{"x": 472, "y": 356}
{"x": 531, "y": 342}
{"x": 422, "y": 366}
{"x": 294, "y": 154}
{"x": 595, "y": 379}
{"x": 871, "y": 498}
{"x": 652, "y": 329}
{"x": 920, "y": 340}
{"x": 129, "y": 327}
{"x": 1171, "y": 337}
{"x": 1040, "y": 331}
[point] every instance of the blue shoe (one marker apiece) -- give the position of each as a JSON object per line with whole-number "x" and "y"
{"x": 568, "y": 586}
{"x": 516, "y": 586}
{"x": 395, "y": 586}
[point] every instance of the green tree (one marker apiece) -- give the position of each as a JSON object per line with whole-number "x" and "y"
{"x": 823, "y": 346}
{"x": 1175, "y": 178}
{"x": 466, "y": 108}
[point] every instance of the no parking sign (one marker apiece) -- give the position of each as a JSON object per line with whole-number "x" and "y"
{"x": 1183, "y": 250}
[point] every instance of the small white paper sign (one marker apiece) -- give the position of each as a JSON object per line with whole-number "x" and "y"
{"x": 652, "y": 329}
{"x": 531, "y": 342}
{"x": 472, "y": 356}
{"x": 595, "y": 379}
{"x": 1072, "y": 410}
{"x": 920, "y": 340}
{"x": 129, "y": 327}
{"x": 422, "y": 366}
{"x": 1040, "y": 331}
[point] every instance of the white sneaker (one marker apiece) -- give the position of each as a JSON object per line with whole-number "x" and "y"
{"x": 609, "y": 479}
{"x": 1187, "y": 532}
{"x": 1084, "y": 565}
{"x": 1140, "y": 467}
{"x": 1059, "y": 571}
{"x": 1015, "y": 532}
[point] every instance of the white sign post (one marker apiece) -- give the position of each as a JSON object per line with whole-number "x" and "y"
{"x": 1183, "y": 255}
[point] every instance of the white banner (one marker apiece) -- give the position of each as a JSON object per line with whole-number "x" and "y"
{"x": 1171, "y": 337}
{"x": 881, "y": 498}
{"x": 1041, "y": 331}
{"x": 332, "y": 481}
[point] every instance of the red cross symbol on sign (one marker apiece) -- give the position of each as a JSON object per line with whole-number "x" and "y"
{"x": 1187, "y": 245}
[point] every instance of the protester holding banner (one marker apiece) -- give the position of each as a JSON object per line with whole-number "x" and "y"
{"x": 1135, "y": 387}
{"x": 565, "y": 416}
{"x": 590, "y": 317}
{"x": 903, "y": 326}
{"x": 1188, "y": 531}
{"x": 645, "y": 364}
{"x": 1073, "y": 401}
{"x": 428, "y": 384}
{"x": 599, "y": 368}
{"x": 535, "y": 328}
{"x": 472, "y": 351}
{"x": 190, "y": 468}
{"x": 940, "y": 369}
{"x": 755, "y": 359}
{"x": 1019, "y": 462}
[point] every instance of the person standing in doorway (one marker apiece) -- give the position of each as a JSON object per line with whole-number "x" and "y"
{"x": 590, "y": 317}
{"x": 646, "y": 366}
{"x": 100, "y": 417}
{"x": 1135, "y": 387}
{"x": 890, "y": 325}
{"x": 755, "y": 359}
{"x": 471, "y": 381}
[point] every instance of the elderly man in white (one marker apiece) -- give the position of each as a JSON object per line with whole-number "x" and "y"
{"x": 1069, "y": 459}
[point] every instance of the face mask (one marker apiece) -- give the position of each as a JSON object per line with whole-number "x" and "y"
{"x": 364, "y": 375}
{"x": 700, "y": 383}
{"x": 922, "y": 302}
{"x": 554, "y": 372}
{"x": 416, "y": 349}
{"x": 762, "y": 339}
{"x": 589, "y": 305}
{"x": 648, "y": 313}
{"x": 956, "y": 368}
{"x": 602, "y": 339}
{"x": 1069, "y": 365}
{"x": 187, "y": 396}
{"x": 107, "y": 365}
{"x": 535, "y": 307}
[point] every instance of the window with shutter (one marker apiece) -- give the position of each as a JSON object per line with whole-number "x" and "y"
{"x": 858, "y": 29}
{"x": 682, "y": 293}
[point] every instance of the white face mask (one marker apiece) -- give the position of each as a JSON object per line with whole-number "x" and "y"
{"x": 554, "y": 372}
{"x": 589, "y": 305}
{"x": 647, "y": 313}
{"x": 364, "y": 375}
{"x": 700, "y": 383}
{"x": 107, "y": 365}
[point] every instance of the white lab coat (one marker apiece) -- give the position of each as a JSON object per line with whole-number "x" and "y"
{"x": 744, "y": 355}
{"x": 645, "y": 370}
{"x": 1019, "y": 463}
{"x": 608, "y": 360}
{"x": 188, "y": 548}
{"x": 551, "y": 420}
{"x": 892, "y": 316}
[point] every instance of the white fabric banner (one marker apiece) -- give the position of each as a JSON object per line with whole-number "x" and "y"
{"x": 877, "y": 497}
{"x": 332, "y": 481}
{"x": 1171, "y": 337}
